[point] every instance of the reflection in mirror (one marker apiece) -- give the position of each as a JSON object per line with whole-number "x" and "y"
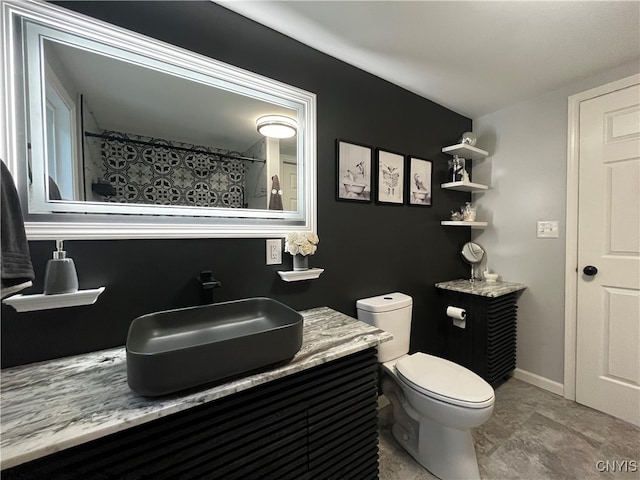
{"x": 124, "y": 125}
{"x": 472, "y": 254}
{"x": 134, "y": 148}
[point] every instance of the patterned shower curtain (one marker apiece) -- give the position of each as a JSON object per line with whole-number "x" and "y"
{"x": 162, "y": 175}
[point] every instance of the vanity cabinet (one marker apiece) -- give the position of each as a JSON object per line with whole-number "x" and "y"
{"x": 468, "y": 152}
{"x": 487, "y": 343}
{"x": 318, "y": 423}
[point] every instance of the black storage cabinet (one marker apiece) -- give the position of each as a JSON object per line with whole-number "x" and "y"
{"x": 317, "y": 424}
{"x": 487, "y": 344}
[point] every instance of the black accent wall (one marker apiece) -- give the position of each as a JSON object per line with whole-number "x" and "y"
{"x": 365, "y": 249}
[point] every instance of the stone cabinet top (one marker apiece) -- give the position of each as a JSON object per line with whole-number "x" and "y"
{"x": 481, "y": 287}
{"x": 57, "y": 404}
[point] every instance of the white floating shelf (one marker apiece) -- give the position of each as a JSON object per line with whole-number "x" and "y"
{"x": 465, "y": 151}
{"x": 30, "y": 303}
{"x": 464, "y": 186}
{"x": 453, "y": 223}
{"x": 298, "y": 275}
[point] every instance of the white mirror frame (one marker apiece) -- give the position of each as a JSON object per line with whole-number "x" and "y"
{"x": 158, "y": 221}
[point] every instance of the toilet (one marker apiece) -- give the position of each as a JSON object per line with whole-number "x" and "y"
{"x": 435, "y": 402}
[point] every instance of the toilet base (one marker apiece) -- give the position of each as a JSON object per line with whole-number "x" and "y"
{"x": 446, "y": 452}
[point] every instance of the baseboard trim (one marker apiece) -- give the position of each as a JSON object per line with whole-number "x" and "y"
{"x": 538, "y": 381}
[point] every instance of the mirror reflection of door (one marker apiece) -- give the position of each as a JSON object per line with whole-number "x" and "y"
{"x": 289, "y": 184}
{"x": 61, "y": 127}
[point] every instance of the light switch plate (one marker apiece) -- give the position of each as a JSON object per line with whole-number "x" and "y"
{"x": 547, "y": 229}
{"x": 274, "y": 251}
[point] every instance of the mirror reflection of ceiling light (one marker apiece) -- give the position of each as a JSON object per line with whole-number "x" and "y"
{"x": 276, "y": 126}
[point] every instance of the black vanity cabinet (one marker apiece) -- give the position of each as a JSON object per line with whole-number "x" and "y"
{"x": 487, "y": 343}
{"x": 320, "y": 423}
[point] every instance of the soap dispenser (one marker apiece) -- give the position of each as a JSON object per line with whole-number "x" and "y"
{"x": 60, "y": 276}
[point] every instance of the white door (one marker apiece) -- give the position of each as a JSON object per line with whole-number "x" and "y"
{"x": 289, "y": 185}
{"x": 608, "y": 303}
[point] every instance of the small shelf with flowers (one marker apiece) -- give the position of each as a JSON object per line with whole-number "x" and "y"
{"x": 301, "y": 245}
{"x": 298, "y": 275}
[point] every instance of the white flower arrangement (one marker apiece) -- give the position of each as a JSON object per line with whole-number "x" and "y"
{"x": 301, "y": 243}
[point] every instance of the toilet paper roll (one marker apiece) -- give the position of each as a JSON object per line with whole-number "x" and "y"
{"x": 456, "y": 313}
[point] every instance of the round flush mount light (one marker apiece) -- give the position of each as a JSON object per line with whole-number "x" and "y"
{"x": 276, "y": 126}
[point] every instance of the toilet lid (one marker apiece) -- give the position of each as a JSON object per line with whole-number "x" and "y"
{"x": 445, "y": 380}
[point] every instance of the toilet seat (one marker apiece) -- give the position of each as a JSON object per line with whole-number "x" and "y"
{"x": 444, "y": 380}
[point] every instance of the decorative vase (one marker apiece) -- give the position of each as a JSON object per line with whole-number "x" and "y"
{"x": 469, "y": 212}
{"x": 300, "y": 262}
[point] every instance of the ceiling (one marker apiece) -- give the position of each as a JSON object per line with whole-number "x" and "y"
{"x": 130, "y": 98}
{"x": 474, "y": 57}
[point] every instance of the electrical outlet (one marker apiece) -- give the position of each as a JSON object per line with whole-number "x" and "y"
{"x": 274, "y": 251}
{"x": 547, "y": 229}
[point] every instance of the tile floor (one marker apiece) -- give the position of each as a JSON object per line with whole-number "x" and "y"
{"x": 532, "y": 435}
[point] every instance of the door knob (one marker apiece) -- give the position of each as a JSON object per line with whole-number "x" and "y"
{"x": 590, "y": 270}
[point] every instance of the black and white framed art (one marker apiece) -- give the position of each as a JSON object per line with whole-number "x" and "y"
{"x": 389, "y": 177}
{"x": 419, "y": 182}
{"x": 353, "y": 171}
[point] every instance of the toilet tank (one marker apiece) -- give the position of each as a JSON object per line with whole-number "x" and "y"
{"x": 392, "y": 313}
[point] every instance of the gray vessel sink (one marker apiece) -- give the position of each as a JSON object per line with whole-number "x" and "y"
{"x": 178, "y": 349}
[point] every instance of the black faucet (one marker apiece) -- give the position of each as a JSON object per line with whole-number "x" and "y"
{"x": 207, "y": 284}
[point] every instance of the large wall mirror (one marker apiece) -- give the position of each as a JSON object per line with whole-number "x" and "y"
{"x": 111, "y": 134}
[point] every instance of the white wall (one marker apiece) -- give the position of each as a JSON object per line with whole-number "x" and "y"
{"x": 527, "y": 174}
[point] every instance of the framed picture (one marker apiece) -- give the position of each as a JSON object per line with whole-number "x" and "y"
{"x": 353, "y": 171}
{"x": 419, "y": 182}
{"x": 390, "y": 177}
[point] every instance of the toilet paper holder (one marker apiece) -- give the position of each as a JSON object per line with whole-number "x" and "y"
{"x": 458, "y": 315}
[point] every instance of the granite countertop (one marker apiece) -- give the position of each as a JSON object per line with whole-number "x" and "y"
{"x": 58, "y": 404}
{"x": 481, "y": 287}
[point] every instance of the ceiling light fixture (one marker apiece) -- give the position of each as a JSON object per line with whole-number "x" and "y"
{"x": 276, "y": 126}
